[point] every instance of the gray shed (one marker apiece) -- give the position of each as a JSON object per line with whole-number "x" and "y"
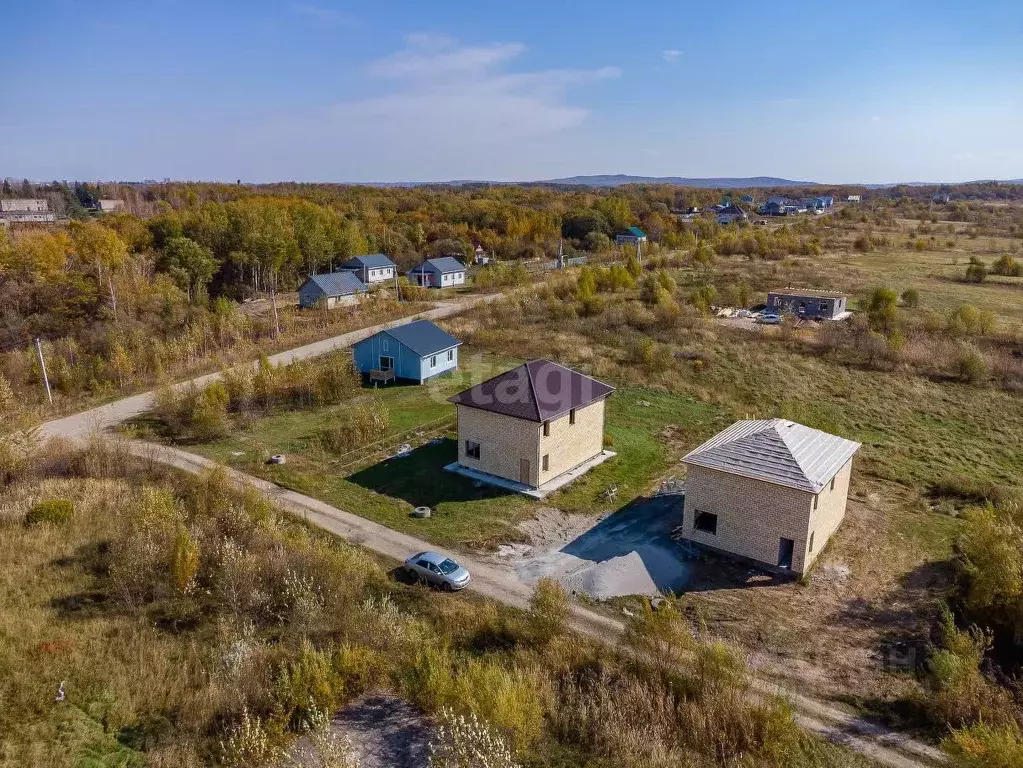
{"x": 808, "y": 303}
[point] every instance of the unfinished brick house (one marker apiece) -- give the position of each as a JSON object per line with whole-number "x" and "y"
{"x": 770, "y": 490}
{"x": 531, "y": 426}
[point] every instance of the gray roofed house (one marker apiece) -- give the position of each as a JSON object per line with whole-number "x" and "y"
{"x": 438, "y": 273}
{"x": 332, "y": 289}
{"x": 771, "y": 490}
{"x": 531, "y": 429}
{"x": 371, "y": 267}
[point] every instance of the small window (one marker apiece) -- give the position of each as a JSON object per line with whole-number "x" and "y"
{"x": 383, "y": 344}
{"x": 811, "y": 540}
{"x": 546, "y": 429}
{"x": 832, "y": 483}
{"x": 706, "y": 522}
{"x": 451, "y": 355}
{"x": 433, "y": 361}
{"x": 815, "y": 500}
{"x": 546, "y": 462}
{"x": 824, "y": 306}
{"x": 571, "y": 416}
{"x": 472, "y": 449}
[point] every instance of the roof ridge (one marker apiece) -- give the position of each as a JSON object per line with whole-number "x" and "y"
{"x": 532, "y": 386}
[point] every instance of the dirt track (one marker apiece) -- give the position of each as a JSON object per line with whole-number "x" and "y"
{"x": 883, "y": 745}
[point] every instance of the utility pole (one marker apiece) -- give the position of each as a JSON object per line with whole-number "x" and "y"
{"x": 397, "y": 291}
{"x": 42, "y": 366}
{"x": 277, "y": 319}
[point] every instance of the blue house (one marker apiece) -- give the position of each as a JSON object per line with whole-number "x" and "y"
{"x": 416, "y": 351}
{"x": 371, "y": 268}
{"x": 330, "y": 290}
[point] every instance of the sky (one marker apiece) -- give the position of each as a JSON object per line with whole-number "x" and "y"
{"x": 406, "y": 90}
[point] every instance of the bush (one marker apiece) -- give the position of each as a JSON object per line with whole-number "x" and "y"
{"x": 976, "y": 272}
{"x": 985, "y": 746}
{"x": 363, "y": 423}
{"x": 466, "y": 742}
{"x": 1007, "y": 266}
{"x": 971, "y": 365}
{"x": 911, "y": 298}
{"x": 548, "y": 609}
{"x": 863, "y": 244}
{"x": 55, "y": 511}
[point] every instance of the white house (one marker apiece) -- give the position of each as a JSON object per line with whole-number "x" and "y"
{"x": 630, "y": 236}
{"x": 107, "y": 205}
{"x": 853, "y": 199}
{"x": 371, "y": 268}
{"x": 438, "y": 273}
{"x": 26, "y": 209}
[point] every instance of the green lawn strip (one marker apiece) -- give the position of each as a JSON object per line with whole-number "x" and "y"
{"x": 649, "y": 430}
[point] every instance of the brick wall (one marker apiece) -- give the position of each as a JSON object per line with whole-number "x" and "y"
{"x": 830, "y": 512}
{"x": 504, "y": 440}
{"x": 753, "y": 515}
{"x": 569, "y": 445}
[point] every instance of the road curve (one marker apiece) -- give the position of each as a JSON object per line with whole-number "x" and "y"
{"x": 885, "y": 746}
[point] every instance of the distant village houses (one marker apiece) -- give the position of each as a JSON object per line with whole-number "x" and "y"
{"x": 732, "y": 214}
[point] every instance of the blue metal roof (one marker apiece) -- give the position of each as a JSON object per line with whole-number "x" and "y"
{"x": 635, "y": 232}
{"x": 371, "y": 260}
{"x": 338, "y": 283}
{"x": 444, "y": 265}
{"x": 423, "y": 337}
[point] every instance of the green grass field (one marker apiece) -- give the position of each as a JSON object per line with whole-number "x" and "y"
{"x": 645, "y": 426}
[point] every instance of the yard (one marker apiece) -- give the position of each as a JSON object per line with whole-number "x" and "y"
{"x": 649, "y": 430}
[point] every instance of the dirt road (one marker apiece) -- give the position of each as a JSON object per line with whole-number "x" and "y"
{"x": 497, "y": 583}
{"x": 112, "y": 414}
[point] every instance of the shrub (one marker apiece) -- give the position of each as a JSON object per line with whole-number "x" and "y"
{"x": 985, "y": 746}
{"x": 466, "y": 742}
{"x": 363, "y": 423}
{"x": 184, "y": 561}
{"x": 54, "y": 511}
{"x": 882, "y": 309}
{"x": 548, "y": 609}
{"x": 971, "y": 365}
{"x": 911, "y": 298}
{"x": 976, "y": 272}
{"x": 863, "y": 244}
{"x": 248, "y": 744}
{"x": 1007, "y": 266}
{"x": 208, "y": 417}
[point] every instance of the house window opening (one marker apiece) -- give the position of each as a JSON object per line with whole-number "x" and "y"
{"x": 472, "y": 449}
{"x": 706, "y": 522}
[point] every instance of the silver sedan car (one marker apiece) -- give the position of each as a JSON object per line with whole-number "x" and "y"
{"x": 438, "y": 570}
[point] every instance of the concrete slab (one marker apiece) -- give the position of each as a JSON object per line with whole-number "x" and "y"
{"x": 544, "y": 490}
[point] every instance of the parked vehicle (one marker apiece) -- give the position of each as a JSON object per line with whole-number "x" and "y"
{"x": 766, "y": 319}
{"x": 438, "y": 570}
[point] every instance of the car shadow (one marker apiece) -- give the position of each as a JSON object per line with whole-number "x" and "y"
{"x": 419, "y": 477}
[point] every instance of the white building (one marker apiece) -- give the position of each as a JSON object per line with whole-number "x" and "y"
{"x": 17, "y": 210}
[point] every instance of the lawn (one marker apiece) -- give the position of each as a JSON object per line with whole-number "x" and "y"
{"x": 649, "y": 430}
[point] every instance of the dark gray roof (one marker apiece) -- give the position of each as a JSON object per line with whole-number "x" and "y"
{"x": 423, "y": 337}
{"x": 370, "y": 260}
{"x": 537, "y": 391}
{"x": 778, "y": 451}
{"x": 443, "y": 264}
{"x": 338, "y": 283}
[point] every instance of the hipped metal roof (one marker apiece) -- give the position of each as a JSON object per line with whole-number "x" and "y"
{"x": 777, "y": 451}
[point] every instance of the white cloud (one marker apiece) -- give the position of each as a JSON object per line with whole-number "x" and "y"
{"x": 875, "y": 119}
{"x": 450, "y": 107}
{"x": 330, "y": 16}
{"x": 671, "y": 54}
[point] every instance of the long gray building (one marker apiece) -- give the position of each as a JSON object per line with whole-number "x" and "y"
{"x": 808, "y": 303}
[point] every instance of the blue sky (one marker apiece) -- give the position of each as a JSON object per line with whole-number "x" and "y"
{"x": 332, "y": 90}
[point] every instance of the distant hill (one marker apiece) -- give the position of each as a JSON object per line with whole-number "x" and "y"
{"x": 618, "y": 179}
